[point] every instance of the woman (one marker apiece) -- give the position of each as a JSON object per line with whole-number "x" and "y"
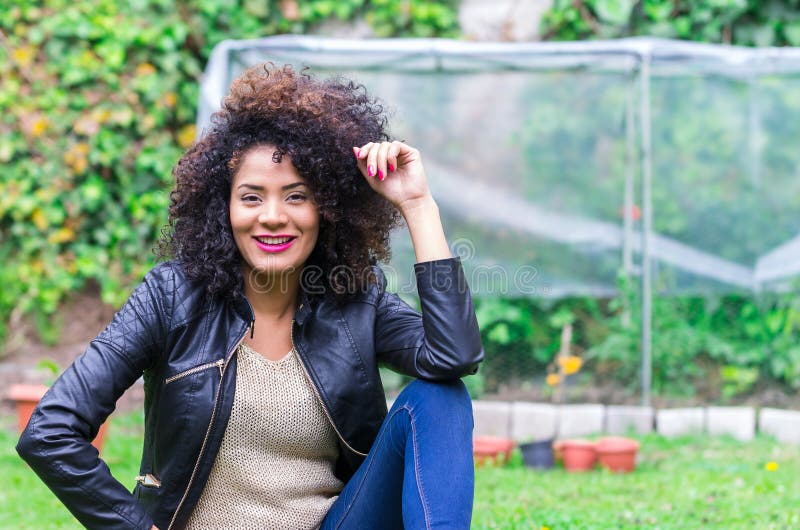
{"x": 259, "y": 342}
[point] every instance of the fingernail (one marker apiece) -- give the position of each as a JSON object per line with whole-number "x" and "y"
{"x": 380, "y": 174}
{"x": 370, "y": 171}
{"x": 391, "y": 167}
{"x": 356, "y": 151}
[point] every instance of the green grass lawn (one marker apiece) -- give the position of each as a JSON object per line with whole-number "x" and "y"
{"x": 696, "y": 482}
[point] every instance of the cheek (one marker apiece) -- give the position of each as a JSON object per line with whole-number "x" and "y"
{"x": 238, "y": 219}
{"x": 312, "y": 220}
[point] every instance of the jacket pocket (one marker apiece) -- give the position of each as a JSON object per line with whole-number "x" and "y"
{"x": 218, "y": 364}
{"x": 149, "y": 497}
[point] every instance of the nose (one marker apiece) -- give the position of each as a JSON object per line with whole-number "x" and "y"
{"x": 272, "y": 213}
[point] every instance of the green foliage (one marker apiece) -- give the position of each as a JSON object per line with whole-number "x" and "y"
{"x": 720, "y": 347}
{"x": 745, "y": 22}
{"x": 50, "y": 367}
{"x": 97, "y": 102}
{"x": 696, "y": 340}
{"x": 737, "y": 380}
{"x": 522, "y": 336}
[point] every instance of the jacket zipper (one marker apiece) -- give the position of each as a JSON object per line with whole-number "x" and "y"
{"x": 219, "y": 363}
{"x": 208, "y": 431}
{"x": 319, "y": 397}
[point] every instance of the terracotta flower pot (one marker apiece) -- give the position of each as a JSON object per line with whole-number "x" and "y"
{"x": 27, "y": 398}
{"x": 558, "y": 451}
{"x": 491, "y": 449}
{"x": 617, "y": 454}
{"x": 579, "y": 455}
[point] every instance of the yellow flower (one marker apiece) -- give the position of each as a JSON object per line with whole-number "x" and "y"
{"x": 75, "y": 158}
{"x": 145, "y": 69}
{"x": 147, "y": 123}
{"x": 24, "y": 56}
{"x": 570, "y": 364}
{"x": 37, "y": 266}
{"x": 186, "y": 136}
{"x": 80, "y": 165}
{"x": 39, "y": 126}
{"x": 62, "y": 235}
{"x": 545, "y": 528}
{"x": 552, "y": 379}
{"x": 170, "y": 99}
{"x": 101, "y": 115}
{"x": 771, "y": 466}
{"x": 40, "y": 219}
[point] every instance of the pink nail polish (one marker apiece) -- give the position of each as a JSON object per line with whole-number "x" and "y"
{"x": 391, "y": 167}
{"x": 370, "y": 171}
{"x": 380, "y": 174}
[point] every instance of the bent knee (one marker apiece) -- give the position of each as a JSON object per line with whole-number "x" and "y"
{"x": 437, "y": 395}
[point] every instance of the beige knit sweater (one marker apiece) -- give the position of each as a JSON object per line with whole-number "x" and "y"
{"x": 275, "y": 466}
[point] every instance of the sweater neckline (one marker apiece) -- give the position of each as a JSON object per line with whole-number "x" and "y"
{"x": 283, "y": 360}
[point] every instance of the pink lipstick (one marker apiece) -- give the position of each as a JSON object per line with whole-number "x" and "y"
{"x": 274, "y": 247}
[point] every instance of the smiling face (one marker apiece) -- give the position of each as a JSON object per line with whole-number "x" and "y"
{"x": 274, "y": 219}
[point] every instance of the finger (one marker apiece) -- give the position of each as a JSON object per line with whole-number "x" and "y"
{"x": 383, "y": 151}
{"x": 372, "y": 160}
{"x": 364, "y": 150}
{"x": 361, "y": 155}
{"x": 391, "y": 156}
{"x": 406, "y": 152}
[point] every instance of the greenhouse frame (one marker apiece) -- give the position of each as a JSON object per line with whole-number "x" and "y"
{"x": 560, "y": 166}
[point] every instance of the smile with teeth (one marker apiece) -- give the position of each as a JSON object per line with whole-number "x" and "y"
{"x": 274, "y": 244}
{"x": 274, "y": 240}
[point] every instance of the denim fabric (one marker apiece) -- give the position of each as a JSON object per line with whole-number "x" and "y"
{"x": 419, "y": 473}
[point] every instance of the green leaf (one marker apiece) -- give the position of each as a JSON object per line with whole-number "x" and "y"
{"x": 614, "y": 11}
{"x": 792, "y": 33}
{"x": 500, "y": 334}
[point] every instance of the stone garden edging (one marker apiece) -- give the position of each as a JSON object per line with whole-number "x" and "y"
{"x": 528, "y": 421}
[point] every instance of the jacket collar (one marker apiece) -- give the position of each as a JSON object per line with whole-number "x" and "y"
{"x": 245, "y": 310}
{"x": 304, "y": 309}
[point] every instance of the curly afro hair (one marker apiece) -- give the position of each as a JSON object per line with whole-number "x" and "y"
{"x": 314, "y": 122}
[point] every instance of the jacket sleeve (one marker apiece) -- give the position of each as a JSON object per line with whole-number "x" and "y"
{"x": 444, "y": 341}
{"x": 57, "y": 441}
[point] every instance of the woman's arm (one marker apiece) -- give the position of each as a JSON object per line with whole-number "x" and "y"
{"x": 56, "y": 442}
{"x": 395, "y": 171}
{"x": 444, "y": 341}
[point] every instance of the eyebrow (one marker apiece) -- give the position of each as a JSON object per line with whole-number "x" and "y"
{"x": 259, "y": 188}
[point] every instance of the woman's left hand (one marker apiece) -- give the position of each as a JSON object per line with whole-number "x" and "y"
{"x": 394, "y": 170}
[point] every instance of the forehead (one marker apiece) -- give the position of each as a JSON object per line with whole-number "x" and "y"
{"x": 260, "y": 164}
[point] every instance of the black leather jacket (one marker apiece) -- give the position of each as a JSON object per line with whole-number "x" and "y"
{"x": 185, "y": 344}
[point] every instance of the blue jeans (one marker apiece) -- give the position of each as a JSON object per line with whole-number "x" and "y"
{"x": 419, "y": 472}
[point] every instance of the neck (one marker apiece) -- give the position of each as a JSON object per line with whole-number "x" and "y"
{"x": 272, "y": 297}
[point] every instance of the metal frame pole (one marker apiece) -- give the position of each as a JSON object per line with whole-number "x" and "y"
{"x": 647, "y": 228}
{"x": 630, "y": 139}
